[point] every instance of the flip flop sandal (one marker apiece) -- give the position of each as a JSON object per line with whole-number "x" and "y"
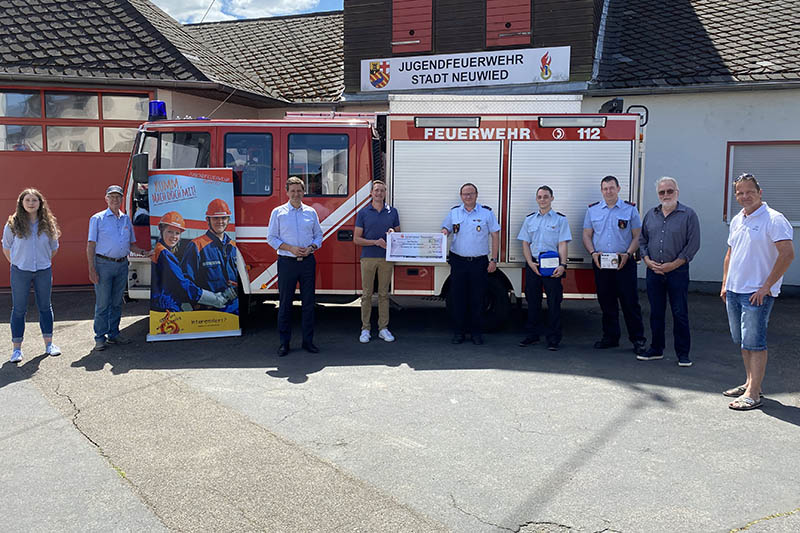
{"x": 737, "y": 391}
{"x": 744, "y": 404}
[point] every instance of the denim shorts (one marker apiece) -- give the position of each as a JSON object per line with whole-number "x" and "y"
{"x": 748, "y": 322}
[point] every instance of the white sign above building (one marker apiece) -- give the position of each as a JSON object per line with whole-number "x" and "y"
{"x": 504, "y": 67}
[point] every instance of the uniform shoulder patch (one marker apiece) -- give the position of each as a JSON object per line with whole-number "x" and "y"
{"x": 594, "y": 204}
{"x": 202, "y": 241}
{"x": 630, "y": 203}
{"x": 560, "y": 214}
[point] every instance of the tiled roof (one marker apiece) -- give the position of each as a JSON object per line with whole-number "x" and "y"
{"x": 112, "y": 39}
{"x": 663, "y": 43}
{"x": 300, "y": 56}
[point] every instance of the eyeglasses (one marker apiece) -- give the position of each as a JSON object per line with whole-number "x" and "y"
{"x": 745, "y": 176}
{"x": 468, "y": 193}
{"x": 666, "y": 191}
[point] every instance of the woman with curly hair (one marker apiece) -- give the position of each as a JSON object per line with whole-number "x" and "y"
{"x": 30, "y": 240}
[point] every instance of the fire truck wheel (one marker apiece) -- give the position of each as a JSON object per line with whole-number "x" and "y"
{"x": 497, "y": 305}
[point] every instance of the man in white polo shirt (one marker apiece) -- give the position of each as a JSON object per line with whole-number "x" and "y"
{"x": 760, "y": 251}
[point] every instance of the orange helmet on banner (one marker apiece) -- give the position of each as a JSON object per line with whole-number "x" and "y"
{"x": 218, "y": 208}
{"x": 174, "y": 219}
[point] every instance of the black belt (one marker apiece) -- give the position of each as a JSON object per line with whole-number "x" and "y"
{"x": 294, "y": 258}
{"x": 117, "y": 260}
{"x": 475, "y": 258}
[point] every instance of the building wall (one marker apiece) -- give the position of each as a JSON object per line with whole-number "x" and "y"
{"x": 181, "y": 104}
{"x": 687, "y": 138}
{"x": 461, "y": 26}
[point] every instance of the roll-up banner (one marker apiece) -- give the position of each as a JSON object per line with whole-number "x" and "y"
{"x": 193, "y": 281}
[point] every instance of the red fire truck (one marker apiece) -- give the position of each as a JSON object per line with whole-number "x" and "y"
{"x": 425, "y": 148}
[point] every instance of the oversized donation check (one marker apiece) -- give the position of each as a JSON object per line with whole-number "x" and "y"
{"x": 416, "y": 247}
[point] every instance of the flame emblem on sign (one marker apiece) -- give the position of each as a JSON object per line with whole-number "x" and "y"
{"x": 168, "y": 325}
{"x": 546, "y": 70}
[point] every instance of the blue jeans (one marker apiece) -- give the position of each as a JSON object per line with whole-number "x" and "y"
{"x": 674, "y": 285}
{"x": 748, "y": 322}
{"x": 109, "y": 290}
{"x": 20, "y": 288}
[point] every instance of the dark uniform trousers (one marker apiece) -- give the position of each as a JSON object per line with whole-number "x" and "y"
{"x": 290, "y": 272}
{"x": 469, "y": 280}
{"x": 554, "y": 290}
{"x": 619, "y": 284}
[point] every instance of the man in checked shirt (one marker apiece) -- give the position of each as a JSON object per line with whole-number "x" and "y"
{"x": 669, "y": 240}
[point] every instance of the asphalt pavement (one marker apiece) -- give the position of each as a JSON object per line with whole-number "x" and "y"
{"x": 416, "y": 435}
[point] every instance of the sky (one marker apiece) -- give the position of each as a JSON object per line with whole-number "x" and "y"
{"x": 186, "y": 11}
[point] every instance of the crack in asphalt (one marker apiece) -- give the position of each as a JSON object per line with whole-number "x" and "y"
{"x": 517, "y": 529}
{"x": 120, "y": 472}
{"x": 764, "y": 519}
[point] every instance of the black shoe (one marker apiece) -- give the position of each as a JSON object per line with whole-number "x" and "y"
{"x": 310, "y": 347}
{"x": 457, "y": 339}
{"x": 527, "y": 341}
{"x": 639, "y": 347}
{"x": 477, "y": 339}
{"x": 283, "y": 350}
{"x": 602, "y": 344}
{"x": 552, "y": 346}
{"x": 649, "y": 355}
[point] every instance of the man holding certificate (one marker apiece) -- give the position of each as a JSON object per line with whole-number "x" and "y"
{"x": 472, "y": 225}
{"x": 544, "y": 235}
{"x": 611, "y": 231}
{"x": 373, "y": 222}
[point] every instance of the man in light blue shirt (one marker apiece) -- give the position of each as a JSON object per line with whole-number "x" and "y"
{"x": 544, "y": 230}
{"x": 111, "y": 239}
{"x": 295, "y": 232}
{"x": 472, "y": 225}
{"x": 613, "y": 226}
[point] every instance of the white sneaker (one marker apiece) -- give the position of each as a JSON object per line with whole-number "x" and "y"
{"x": 16, "y": 356}
{"x": 386, "y": 335}
{"x": 53, "y": 350}
{"x": 365, "y": 336}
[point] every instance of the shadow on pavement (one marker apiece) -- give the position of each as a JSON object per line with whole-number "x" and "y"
{"x": 13, "y": 372}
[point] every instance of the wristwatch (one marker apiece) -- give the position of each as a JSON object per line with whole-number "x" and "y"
{"x": 493, "y": 260}
{"x": 563, "y": 265}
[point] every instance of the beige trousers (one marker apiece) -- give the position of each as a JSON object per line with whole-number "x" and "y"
{"x": 369, "y": 266}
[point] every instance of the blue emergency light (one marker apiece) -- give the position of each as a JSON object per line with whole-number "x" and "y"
{"x": 157, "y": 111}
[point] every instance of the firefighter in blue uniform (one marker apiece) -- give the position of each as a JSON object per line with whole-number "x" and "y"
{"x": 544, "y": 230}
{"x": 210, "y": 259}
{"x": 613, "y": 226}
{"x": 170, "y": 290}
{"x": 472, "y": 226}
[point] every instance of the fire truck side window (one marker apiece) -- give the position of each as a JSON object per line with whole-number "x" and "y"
{"x": 250, "y": 157}
{"x": 185, "y": 149}
{"x": 320, "y": 160}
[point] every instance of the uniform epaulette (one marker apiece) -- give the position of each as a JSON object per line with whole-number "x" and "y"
{"x": 486, "y": 207}
{"x": 529, "y": 214}
{"x": 456, "y": 206}
{"x": 560, "y": 214}
{"x": 594, "y": 204}
{"x": 630, "y": 203}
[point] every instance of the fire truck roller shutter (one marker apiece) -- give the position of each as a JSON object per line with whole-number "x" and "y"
{"x": 426, "y": 179}
{"x": 573, "y": 169}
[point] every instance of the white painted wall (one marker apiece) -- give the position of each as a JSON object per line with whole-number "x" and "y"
{"x": 686, "y": 138}
{"x": 180, "y": 105}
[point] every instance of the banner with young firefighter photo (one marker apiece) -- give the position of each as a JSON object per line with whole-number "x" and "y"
{"x": 193, "y": 281}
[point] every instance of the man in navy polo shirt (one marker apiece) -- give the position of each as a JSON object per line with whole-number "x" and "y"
{"x": 373, "y": 222}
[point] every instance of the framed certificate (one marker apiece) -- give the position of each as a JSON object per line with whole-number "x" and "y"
{"x": 416, "y": 247}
